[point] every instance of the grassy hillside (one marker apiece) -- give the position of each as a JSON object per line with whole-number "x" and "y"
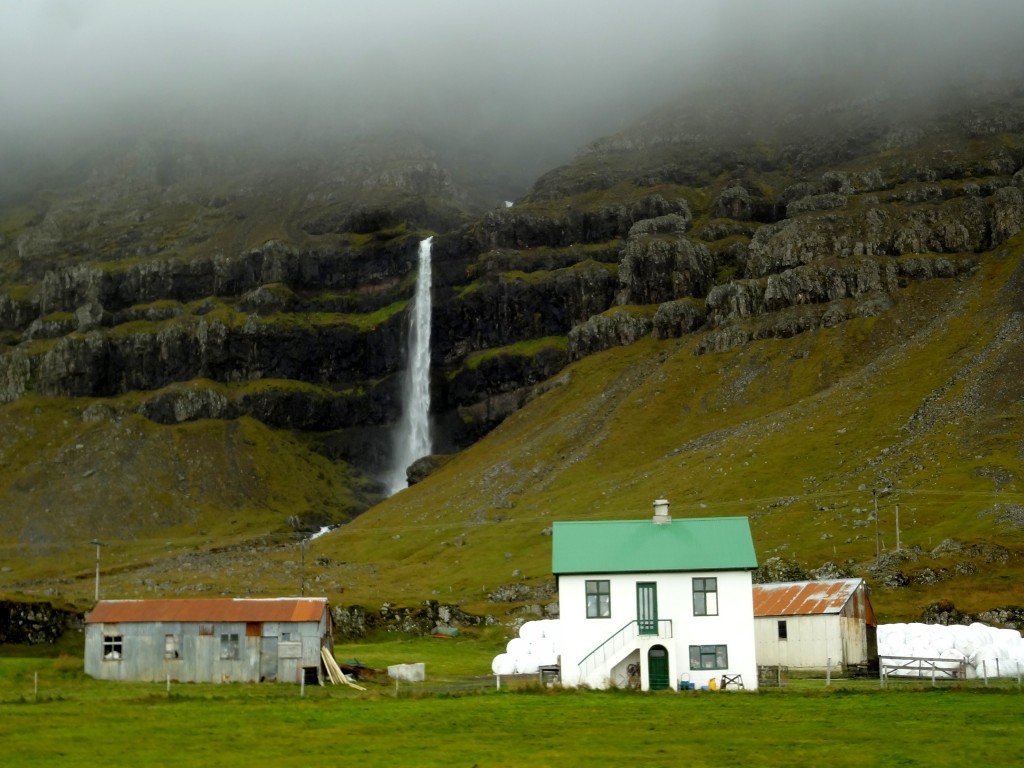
{"x": 796, "y": 433}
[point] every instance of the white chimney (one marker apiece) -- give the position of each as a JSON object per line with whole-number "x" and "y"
{"x": 661, "y": 512}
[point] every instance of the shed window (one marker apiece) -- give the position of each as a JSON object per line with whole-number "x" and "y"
{"x": 709, "y": 657}
{"x": 112, "y": 647}
{"x": 171, "y": 647}
{"x": 229, "y": 646}
{"x": 783, "y": 630}
{"x": 705, "y": 597}
{"x": 599, "y": 599}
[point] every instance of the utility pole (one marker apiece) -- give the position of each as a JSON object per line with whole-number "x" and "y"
{"x": 98, "y": 544}
{"x": 897, "y": 527}
{"x": 878, "y": 549}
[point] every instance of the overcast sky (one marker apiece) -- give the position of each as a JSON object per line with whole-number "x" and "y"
{"x": 570, "y": 70}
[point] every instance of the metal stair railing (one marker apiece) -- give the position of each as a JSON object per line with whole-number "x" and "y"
{"x": 616, "y": 642}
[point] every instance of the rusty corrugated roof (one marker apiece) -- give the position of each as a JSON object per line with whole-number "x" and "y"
{"x": 801, "y": 598}
{"x": 208, "y": 610}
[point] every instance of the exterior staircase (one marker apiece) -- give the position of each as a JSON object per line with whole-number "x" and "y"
{"x": 621, "y": 644}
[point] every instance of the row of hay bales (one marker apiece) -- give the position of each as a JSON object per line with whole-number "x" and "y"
{"x": 986, "y": 651}
{"x": 536, "y": 647}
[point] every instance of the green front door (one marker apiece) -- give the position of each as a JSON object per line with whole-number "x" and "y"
{"x": 657, "y": 668}
{"x": 647, "y": 607}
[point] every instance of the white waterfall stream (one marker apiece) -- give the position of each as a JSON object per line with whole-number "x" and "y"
{"x": 412, "y": 439}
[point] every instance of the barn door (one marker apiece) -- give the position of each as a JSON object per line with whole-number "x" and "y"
{"x": 268, "y": 658}
{"x": 647, "y": 607}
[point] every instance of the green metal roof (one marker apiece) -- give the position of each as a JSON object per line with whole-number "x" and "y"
{"x": 625, "y": 546}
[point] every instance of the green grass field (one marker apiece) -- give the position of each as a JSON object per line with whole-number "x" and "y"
{"x": 51, "y": 713}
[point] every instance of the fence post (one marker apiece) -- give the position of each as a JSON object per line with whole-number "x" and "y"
{"x": 828, "y": 672}
{"x": 497, "y": 682}
{"x": 984, "y": 671}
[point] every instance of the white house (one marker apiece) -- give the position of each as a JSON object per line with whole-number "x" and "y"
{"x": 656, "y": 603}
{"x": 808, "y": 624}
{"x": 208, "y": 640}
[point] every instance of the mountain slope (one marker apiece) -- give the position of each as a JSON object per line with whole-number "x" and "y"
{"x": 790, "y": 318}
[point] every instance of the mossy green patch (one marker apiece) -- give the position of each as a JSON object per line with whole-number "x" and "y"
{"x": 528, "y": 348}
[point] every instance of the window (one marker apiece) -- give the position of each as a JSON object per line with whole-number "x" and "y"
{"x": 171, "y": 647}
{"x": 705, "y": 597}
{"x": 112, "y": 647}
{"x": 286, "y": 637}
{"x": 229, "y": 646}
{"x": 783, "y": 631}
{"x": 709, "y": 657}
{"x": 599, "y": 599}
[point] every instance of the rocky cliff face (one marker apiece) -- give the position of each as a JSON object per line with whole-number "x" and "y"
{"x": 159, "y": 290}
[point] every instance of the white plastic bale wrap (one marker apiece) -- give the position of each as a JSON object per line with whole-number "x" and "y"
{"x": 503, "y": 664}
{"x": 537, "y": 646}
{"x": 988, "y": 651}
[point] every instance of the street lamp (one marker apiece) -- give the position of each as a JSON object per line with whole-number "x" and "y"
{"x": 98, "y": 544}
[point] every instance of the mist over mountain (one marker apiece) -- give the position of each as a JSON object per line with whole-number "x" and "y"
{"x": 503, "y": 91}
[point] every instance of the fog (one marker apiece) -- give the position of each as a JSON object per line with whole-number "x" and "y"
{"x": 528, "y": 81}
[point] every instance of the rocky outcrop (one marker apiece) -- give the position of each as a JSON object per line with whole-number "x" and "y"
{"x": 67, "y": 289}
{"x": 15, "y": 313}
{"x": 790, "y": 321}
{"x": 529, "y": 226}
{"x": 677, "y": 318}
{"x": 35, "y": 623}
{"x": 828, "y": 280}
{"x": 963, "y": 224}
{"x": 509, "y": 308}
{"x": 355, "y": 621}
{"x": 503, "y": 371}
{"x": 614, "y": 329}
{"x": 103, "y": 364}
{"x": 660, "y": 266}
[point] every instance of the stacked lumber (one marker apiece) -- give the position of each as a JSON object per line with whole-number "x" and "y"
{"x": 334, "y": 671}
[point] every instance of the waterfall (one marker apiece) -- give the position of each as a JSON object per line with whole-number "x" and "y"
{"x": 412, "y": 438}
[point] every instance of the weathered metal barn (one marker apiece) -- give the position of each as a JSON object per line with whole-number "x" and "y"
{"x": 210, "y": 641}
{"x": 805, "y": 624}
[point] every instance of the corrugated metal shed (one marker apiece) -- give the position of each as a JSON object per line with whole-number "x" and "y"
{"x": 626, "y": 546}
{"x": 208, "y": 610}
{"x": 805, "y": 598}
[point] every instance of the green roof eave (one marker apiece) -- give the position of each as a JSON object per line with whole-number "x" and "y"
{"x": 632, "y": 546}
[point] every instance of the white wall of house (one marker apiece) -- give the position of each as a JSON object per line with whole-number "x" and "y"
{"x": 733, "y": 627}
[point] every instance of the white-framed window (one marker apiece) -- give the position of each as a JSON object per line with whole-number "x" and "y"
{"x": 113, "y": 647}
{"x": 229, "y": 646}
{"x": 171, "y": 646}
{"x": 705, "y": 596}
{"x": 709, "y": 657}
{"x": 599, "y": 598}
